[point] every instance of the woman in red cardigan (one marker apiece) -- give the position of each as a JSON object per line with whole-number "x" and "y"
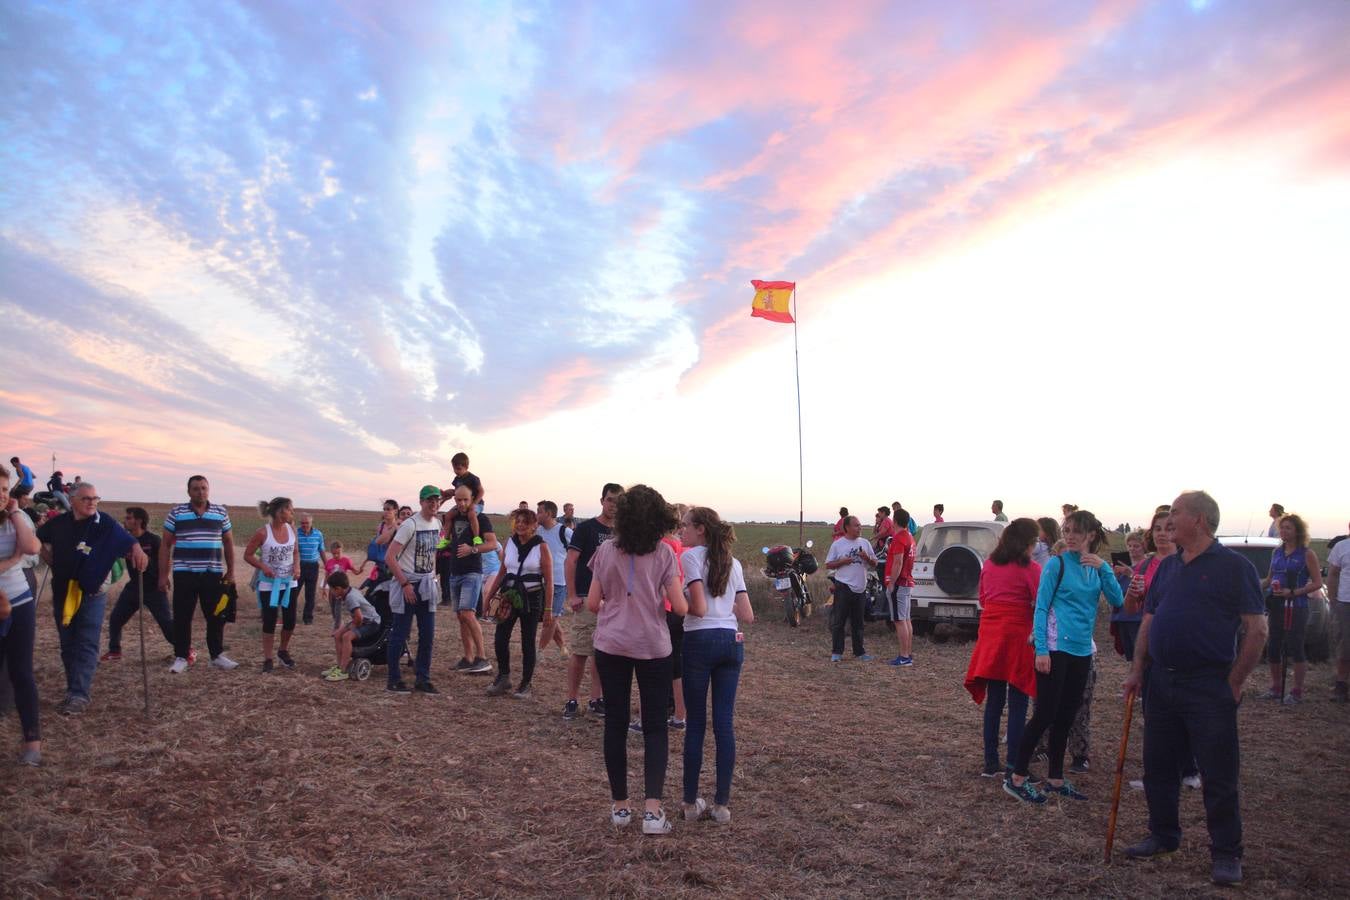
{"x": 1003, "y": 661}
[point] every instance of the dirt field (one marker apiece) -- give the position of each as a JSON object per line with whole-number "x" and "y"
{"x": 852, "y": 780}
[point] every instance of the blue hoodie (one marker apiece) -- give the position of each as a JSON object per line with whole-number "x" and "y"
{"x": 1075, "y": 603}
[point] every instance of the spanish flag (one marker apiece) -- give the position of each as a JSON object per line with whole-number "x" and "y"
{"x": 772, "y": 300}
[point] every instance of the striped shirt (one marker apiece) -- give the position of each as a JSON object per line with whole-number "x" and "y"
{"x": 198, "y": 540}
{"x": 310, "y": 544}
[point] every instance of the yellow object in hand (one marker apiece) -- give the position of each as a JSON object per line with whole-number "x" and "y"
{"x": 74, "y": 597}
{"x": 224, "y": 602}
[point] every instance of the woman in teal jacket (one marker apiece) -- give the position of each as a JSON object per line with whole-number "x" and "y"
{"x": 1066, "y": 613}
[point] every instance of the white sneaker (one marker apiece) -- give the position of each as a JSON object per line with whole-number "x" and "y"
{"x": 694, "y": 811}
{"x": 1136, "y": 785}
{"x": 224, "y": 662}
{"x": 1192, "y": 782}
{"x": 621, "y": 817}
{"x": 721, "y": 815}
{"x": 655, "y": 823}
{"x": 179, "y": 666}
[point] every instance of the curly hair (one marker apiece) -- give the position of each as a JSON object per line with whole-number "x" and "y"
{"x": 642, "y": 518}
{"x": 718, "y": 536}
{"x": 1015, "y": 542}
{"x": 1300, "y": 528}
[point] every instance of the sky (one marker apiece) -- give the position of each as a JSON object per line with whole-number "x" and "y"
{"x": 1088, "y": 252}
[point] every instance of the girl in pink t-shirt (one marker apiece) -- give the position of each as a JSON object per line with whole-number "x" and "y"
{"x": 633, "y": 576}
{"x": 336, "y": 562}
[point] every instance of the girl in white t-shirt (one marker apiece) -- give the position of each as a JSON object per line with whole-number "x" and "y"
{"x": 713, "y": 652}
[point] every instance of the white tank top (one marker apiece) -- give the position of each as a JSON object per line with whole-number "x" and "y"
{"x": 531, "y": 567}
{"x": 279, "y": 557}
{"x": 12, "y": 580}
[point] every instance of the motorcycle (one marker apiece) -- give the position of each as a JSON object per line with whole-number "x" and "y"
{"x": 787, "y": 569}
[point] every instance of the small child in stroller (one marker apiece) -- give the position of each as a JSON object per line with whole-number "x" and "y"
{"x": 366, "y": 626}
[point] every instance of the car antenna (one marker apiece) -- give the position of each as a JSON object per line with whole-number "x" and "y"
{"x": 1249, "y": 525}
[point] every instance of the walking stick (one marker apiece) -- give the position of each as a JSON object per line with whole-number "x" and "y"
{"x": 140, "y": 617}
{"x": 1120, "y": 772}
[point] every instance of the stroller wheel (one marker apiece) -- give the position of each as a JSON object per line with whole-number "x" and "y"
{"x": 361, "y": 669}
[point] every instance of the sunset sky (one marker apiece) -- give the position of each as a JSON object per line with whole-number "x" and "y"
{"x": 1047, "y": 252}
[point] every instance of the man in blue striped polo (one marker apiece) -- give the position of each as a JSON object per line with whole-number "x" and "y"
{"x": 312, "y": 557}
{"x": 198, "y": 549}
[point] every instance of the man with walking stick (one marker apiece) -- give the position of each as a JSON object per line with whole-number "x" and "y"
{"x": 1199, "y": 600}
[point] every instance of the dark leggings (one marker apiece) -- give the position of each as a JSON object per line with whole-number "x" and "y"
{"x": 269, "y": 612}
{"x": 616, "y": 681}
{"x": 1057, "y": 698}
{"x": 501, "y": 643}
{"x": 16, "y": 654}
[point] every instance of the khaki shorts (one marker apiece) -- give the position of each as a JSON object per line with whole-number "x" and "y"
{"x": 581, "y": 633}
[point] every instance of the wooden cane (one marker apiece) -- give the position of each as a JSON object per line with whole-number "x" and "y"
{"x": 140, "y": 617}
{"x": 1120, "y": 773}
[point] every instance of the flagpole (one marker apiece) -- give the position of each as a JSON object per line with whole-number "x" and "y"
{"x": 801, "y": 465}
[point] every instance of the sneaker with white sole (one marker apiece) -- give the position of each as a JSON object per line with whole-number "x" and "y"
{"x": 179, "y": 666}
{"x": 694, "y": 811}
{"x": 721, "y": 815}
{"x": 621, "y": 817}
{"x": 1193, "y": 782}
{"x": 656, "y": 823}
{"x": 224, "y": 662}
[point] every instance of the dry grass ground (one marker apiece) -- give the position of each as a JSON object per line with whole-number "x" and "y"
{"x": 852, "y": 780}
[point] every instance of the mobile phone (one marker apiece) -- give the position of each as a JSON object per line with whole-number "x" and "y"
{"x": 1120, "y": 558}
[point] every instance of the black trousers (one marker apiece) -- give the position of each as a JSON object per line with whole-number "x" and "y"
{"x": 1192, "y": 712}
{"x": 309, "y": 580}
{"x": 190, "y": 590}
{"x": 848, "y": 607}
{"x": 127, "y": 603}
{"x": 616, "y": 681}
{"x": 501, "y": 642}
{"x": 1057, "y": 698}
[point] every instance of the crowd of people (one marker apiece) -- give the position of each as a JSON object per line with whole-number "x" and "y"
{"x": 652, "y": 589}
{"x": 654, "y": 595}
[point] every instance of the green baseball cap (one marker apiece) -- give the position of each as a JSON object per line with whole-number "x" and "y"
{"x": 428, "y": 491}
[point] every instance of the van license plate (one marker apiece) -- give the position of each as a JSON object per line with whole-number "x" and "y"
{"x": 955, "y": 612}
{"x": 782, "y": 584}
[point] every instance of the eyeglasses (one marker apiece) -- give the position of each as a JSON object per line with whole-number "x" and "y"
{"x": 87, "y": 499}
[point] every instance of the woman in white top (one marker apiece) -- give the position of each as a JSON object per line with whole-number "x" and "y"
{"x": 18, "y": 619}
{"x": 527, "y": 570}
{"x": 713, "y": 651}
{"x": 277, "y": 564}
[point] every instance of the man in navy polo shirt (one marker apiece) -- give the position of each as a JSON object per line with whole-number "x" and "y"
{"x": 1188, "y": 641}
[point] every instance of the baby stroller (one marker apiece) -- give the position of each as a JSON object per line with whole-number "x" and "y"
{"x": 371, "y": 652}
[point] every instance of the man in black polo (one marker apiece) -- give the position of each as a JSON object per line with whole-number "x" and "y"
{"x": 1198, "y": 601}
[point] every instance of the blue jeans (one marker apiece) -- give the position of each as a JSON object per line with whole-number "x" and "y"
{"x": 80, "y": 642}
{"x": 1192, "y": 711}
{"x": 398, "y": 639}
{"x": 16, "y": 666}
{"x": 711, "y": 656}
{"x": 997, "y": 693}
